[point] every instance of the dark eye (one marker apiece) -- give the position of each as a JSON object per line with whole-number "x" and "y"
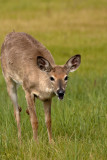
{"x": 66, "y": 78}
{"x": 52, "y": 79}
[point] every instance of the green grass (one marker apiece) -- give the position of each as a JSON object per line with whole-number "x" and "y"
{"x": 79, "y": 122}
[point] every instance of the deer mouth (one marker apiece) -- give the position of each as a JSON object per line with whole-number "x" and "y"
{"x": 60, "y": 94}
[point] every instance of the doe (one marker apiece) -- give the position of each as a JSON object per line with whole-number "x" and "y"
{"x": 27, "y": 62}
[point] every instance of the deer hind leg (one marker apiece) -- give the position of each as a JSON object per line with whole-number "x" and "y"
{"x": 47, "y": 109}
{"x": 32, "y": 113}
{"x": 12, "y": 91}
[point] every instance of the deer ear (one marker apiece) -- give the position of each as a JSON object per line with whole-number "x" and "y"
{"x": 43, "y": 64}
{"x": 73, "y": 63}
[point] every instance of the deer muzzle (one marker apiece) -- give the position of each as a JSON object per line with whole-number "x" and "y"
{"x": 60, "y": 93}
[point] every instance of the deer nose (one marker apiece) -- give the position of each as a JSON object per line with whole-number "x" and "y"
{"x": 60, "y": 93}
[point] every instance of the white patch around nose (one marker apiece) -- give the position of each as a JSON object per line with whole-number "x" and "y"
{"x": 59, "y": 88}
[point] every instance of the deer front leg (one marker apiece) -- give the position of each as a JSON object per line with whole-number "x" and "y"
{"x": 47, "y": 109}
{"x": 32, "y": 113}
{"x": 34, "y": 98}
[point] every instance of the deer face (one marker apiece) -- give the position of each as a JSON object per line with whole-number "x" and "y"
{"x": 58, "y": 75}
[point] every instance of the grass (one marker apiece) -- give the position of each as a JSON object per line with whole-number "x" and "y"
{"x": 79, "y": 122}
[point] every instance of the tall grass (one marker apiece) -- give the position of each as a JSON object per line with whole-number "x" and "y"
{"x": 79, "y": 122}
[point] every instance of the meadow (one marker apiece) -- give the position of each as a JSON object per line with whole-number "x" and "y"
{"x": 79, "y": 122}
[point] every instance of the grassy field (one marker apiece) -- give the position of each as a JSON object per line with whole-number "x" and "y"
{"x": 79, "y": 122}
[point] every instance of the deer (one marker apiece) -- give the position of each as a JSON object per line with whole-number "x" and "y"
{"x": 27, "y": 62}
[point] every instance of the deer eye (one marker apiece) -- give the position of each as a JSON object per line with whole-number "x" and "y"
{"x": 66, "y": 78}
{"x": 52, "y": 79}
